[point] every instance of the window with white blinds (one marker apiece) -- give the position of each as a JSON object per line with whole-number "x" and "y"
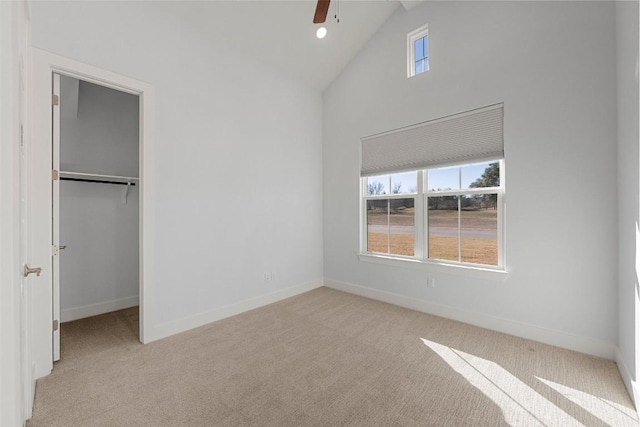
{"x": 472, "y": 136}
{"x": 434, "y": 192}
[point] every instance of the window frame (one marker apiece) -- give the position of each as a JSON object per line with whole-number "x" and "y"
{"x": 411, "y": 54}
{"x": 421, "y": 239}
{"x": 418, "y": 208}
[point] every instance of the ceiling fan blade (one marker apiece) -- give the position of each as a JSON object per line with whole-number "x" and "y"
{"x": 321, "y": 11}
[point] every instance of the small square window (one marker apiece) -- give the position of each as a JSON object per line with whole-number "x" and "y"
{"x": 418, "y": 51}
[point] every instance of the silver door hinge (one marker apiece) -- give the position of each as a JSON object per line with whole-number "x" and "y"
{"x": 55, "y": 249}
{"x": 55, "y": 175}
{"x": 55, "y": 100}
{"x": 55, "y": 325}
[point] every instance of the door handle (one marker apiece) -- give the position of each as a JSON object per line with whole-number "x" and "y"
{"x": 62, "y": 247}
{"x": 28, "y": 270}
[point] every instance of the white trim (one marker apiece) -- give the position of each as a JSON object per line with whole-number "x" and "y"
{"x": 467, "y": 270}
{"x": 75, "y": 313}
{"x": 390, "y": 196}
{"x": 182, "y": 325}
{"x": 547, "y": 336}
{"x": 55, "y": 215}
{"x": 147, "y": 214}
{"x": 464, "y": 191}
{"x": 627, "y": 378}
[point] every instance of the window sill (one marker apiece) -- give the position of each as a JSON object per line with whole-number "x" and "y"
{"x": 435, "y": 266}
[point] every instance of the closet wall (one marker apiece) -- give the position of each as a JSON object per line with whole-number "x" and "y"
{"x": 99, "y": 134}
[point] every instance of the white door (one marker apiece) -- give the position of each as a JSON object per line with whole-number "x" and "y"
{"x": 55, "y": 243}
{"x": 28, "y": 381}
{"x": 39, "y": 213}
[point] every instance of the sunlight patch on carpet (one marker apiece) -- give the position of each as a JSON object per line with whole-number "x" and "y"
{"x": 607, "y": 411}
{"x": 520, "y": 404}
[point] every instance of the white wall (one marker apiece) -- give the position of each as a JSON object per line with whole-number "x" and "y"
{"x": 238, "y": 156}
{"x": 628, "y": 192}
{"x": 99, "y": 130}
{"x": 99, "y": 133}
{"x": 551, "y": 63}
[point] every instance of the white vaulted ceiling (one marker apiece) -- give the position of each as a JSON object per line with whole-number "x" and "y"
{"x": 281, "y": 33}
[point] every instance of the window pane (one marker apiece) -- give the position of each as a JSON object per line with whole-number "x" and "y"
{"x": 377, "y": 185}
{"x": 479, "y": 232}
{"x": 402, "y": 226}
{"x": 443, "y": 227}
{"x": 420, "y": 66}
{"x": 419, "y": 49}
{"x": 378, "y": 226}
{"x": 443, "y": 179}
{"x": 481, "y": 175}
{"x": 425, "y": 64}
{"x": 426, "y": 46}
{"x": 403, "y": 183}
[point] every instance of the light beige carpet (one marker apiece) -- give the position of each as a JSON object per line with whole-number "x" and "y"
{"x": 324, "y": 358}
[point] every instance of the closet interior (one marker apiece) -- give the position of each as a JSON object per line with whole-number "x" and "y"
{"x": 98, "y": 200}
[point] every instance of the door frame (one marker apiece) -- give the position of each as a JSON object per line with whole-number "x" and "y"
{"x": 43, "y": 65}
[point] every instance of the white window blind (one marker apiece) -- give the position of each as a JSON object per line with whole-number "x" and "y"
{"x": 475, "y": 135}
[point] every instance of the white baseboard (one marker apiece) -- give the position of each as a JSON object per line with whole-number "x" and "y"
{"x": 182, "y": 325}
{"x": 511, "y": 327}
{"x": 627, "y": 378}
{"x": 75, "y": 313}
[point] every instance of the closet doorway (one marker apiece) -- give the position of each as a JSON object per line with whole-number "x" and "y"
{"x": 96, "y": 201}
{"x": 44, "y": 322}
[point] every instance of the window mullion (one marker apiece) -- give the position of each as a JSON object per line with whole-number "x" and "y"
{"x": 363, "y": 217}
{"x": 388, "y": 226}
{"x": 389, "y": 217}
{"x": 425, "y": 208}
{"x": 460, "y": 216}
{"x": 390, "y": 196}
{"x": 419, "y": 221}
{"x": 459, "y": 229}
{"x": 466, "y": 191}
{"x": 501, "y": 213}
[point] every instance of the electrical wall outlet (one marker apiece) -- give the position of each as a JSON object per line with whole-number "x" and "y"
{"x": 431, "y": 282}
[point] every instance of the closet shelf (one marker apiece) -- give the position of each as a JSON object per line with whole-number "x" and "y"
{"x": 92, "y": 177}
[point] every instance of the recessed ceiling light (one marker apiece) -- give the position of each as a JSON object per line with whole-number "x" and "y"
{"x": 322, "y": 31}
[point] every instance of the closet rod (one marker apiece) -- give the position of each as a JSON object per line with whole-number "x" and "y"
{"x": 96, "y": 181}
